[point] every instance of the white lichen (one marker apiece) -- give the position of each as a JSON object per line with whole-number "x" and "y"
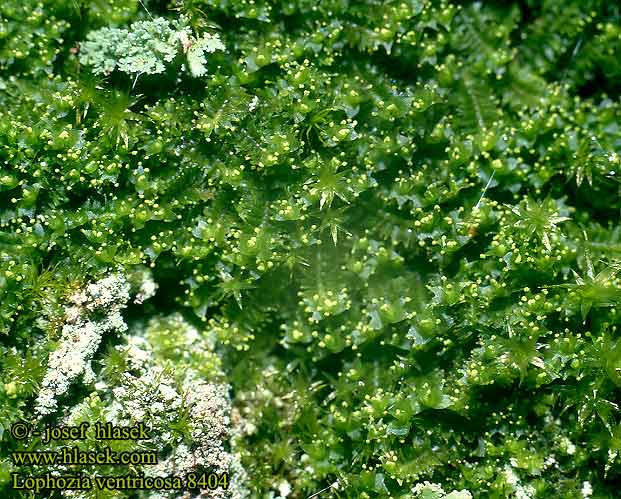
{"x": 93, "y": 312}
{"x": 253, "y": 103}
{"x": 524, "y": 492}
{"x": 151, "y": 393}
{"x": 587, "y": 490}
{"x": 284, "y": 488}
{"x": 147, "y": 289}
{"x": 510, "y": 477}
{"x": 210, "y": 429}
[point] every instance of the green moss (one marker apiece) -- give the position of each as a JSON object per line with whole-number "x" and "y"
{"x": 392, "y": 228}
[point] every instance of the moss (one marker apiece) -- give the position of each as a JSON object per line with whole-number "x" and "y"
{"x": 391, "y": 228}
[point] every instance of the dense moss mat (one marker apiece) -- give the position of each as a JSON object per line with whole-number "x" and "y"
{"x": 391, "y": 227}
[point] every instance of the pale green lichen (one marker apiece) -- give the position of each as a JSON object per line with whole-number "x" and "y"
{"x": 428, "y": 490}
{"x": 147, "y": 47}
{"x": 197, "y": 61}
